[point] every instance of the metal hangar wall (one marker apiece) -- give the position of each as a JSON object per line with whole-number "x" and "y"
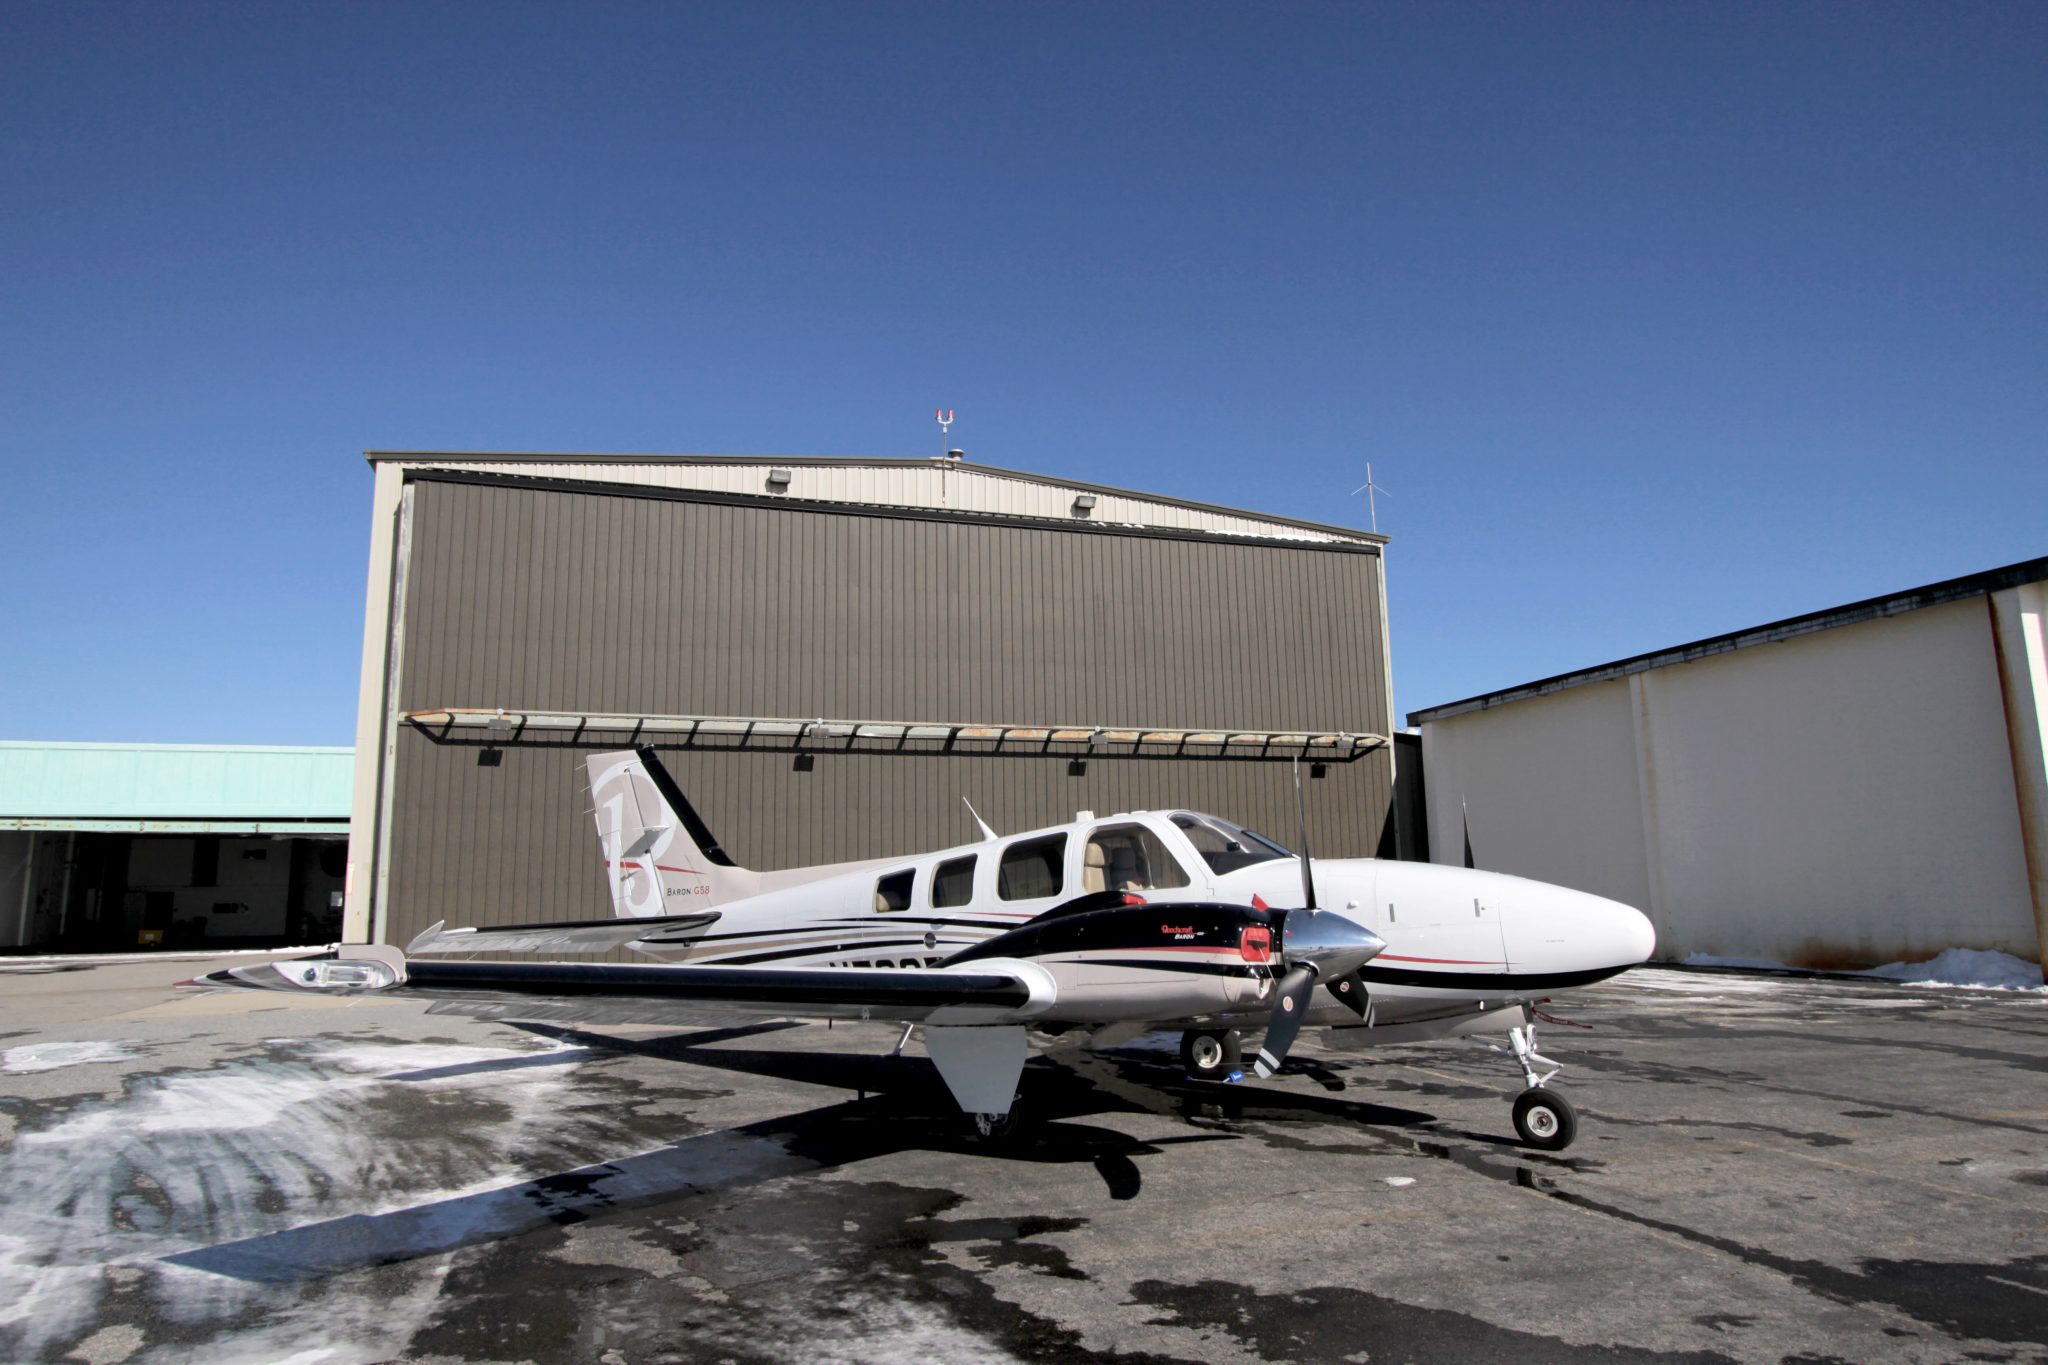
{"x": 604, "y": 589}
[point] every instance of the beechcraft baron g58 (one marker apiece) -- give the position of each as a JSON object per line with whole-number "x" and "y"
{"x": 1116, "y": 924}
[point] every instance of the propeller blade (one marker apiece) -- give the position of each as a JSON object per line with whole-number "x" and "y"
{"x": 1308, "y": 881}
{"x": 1350, "y": 992}
{"x": 1288, "y": 1009}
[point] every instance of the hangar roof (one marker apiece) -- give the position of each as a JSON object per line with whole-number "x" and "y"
{"x": 175, "y": 788}
{"x": 928, "y": 484}
{"x": 1869, "y": 609}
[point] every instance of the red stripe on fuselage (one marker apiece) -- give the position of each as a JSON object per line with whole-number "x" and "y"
{"x": 1179, "y": 948}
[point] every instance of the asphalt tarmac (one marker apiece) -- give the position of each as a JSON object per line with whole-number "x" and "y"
{"x": 1768, "y": 1169}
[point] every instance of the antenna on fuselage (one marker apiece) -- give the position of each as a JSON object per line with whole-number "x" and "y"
{"x": 986, "y": 832}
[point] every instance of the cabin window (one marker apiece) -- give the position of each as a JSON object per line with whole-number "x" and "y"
{"x": 1129, "y": 858}
{"x": 953, "y": 883}
{"x": 893, "y": 891}
{"x": 1030, "y": 868}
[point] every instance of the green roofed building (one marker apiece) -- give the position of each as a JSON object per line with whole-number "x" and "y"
{"x": 125, "y": 847}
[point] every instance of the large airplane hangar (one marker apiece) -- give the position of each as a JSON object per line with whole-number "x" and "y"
{"x": 831, "y": 656}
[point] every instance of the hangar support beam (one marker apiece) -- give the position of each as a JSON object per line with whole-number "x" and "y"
{"x": 501, "y": 725}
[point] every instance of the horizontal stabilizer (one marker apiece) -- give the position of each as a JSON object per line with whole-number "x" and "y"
{"x": 566, "y": 936}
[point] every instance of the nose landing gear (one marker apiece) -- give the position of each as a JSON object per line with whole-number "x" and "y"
{"x": 1544, "y": 1119}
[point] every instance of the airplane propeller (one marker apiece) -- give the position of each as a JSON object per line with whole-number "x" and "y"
{"x": 1350, "y": 992}
{"x": 1329, "y": 947}
{"x": 1350, "y": 989}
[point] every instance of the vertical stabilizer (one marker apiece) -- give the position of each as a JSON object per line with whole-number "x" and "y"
{"x": 659, "y": 857}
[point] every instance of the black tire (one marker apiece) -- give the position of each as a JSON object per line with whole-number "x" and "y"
{"x": 1545, "y": 1120}
{"x": 1210, "y": 1054}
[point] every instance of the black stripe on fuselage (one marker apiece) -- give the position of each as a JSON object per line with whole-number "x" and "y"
{"x": 1129, "y": 928}
{"x": 1484, "y": 983}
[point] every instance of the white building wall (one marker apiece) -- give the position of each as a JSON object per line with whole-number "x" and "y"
{"x": 1841, "y": 798}
{"x": 1554, "y": 799}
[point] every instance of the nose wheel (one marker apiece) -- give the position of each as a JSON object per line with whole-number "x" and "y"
{"x": 1210, "y": 1054}
{"x": 1545, "y": 1120}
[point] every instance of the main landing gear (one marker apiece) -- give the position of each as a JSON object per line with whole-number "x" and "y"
{"x": 996, "y": 1127}
{"x": 1209, "y": 1054}
{"x": 1544, "y": 1119}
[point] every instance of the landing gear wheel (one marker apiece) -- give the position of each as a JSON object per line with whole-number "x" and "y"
{"x": 997, "y": 1127}
{"x": 1209, "y": 1054}
{"x": 1545, "y": 1120}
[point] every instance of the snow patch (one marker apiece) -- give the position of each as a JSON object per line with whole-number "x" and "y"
{"x": 1971, "y": 967}
{"x": 385, "y": 1060}
{"x": 193, "y": 1159}
{"x": 1967, "y": 967}
{"x": 50, "y": 1056}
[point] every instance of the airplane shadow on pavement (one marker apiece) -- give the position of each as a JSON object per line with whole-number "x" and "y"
{"x": 902, "y": 1106}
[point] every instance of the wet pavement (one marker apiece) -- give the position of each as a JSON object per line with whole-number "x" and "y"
{"x": 1768, "y": 1169}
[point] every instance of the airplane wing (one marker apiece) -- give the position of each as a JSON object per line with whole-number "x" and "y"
{"x": 987, "y": 992}
{"x": 565, "y": 936}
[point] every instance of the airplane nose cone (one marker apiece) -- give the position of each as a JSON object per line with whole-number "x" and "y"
{"x": 1336, "y": 944}
{"x": 1637, "y": 933}
{"x": 1618, "y": 932}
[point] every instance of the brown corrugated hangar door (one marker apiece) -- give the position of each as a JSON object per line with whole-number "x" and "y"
{"x": 608, "y": 599}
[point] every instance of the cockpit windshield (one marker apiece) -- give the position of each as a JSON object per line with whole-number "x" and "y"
{"x": 1224, "y": 846}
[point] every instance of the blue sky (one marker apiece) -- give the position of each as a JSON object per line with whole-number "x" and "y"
{"x": 1659, "y": 320}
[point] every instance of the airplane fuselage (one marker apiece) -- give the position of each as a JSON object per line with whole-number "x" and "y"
{"x": 1461, "y": 943}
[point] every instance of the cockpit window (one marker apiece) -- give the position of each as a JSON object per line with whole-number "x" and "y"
{"x": 1128, "y": 858}
{"x": 1224, "y": 846}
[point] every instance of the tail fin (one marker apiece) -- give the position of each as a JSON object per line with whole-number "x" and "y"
{"x": 659, "y": 857}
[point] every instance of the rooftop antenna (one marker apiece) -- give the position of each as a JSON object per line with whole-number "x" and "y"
{"x": 944, "y": 417}
{"x": 1369, "y": 488}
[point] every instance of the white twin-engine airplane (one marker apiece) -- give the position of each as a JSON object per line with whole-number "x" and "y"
{"x": 1114, "y": 925}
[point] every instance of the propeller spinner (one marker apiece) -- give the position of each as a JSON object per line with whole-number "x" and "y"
{"x": 1314, "y": 946}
